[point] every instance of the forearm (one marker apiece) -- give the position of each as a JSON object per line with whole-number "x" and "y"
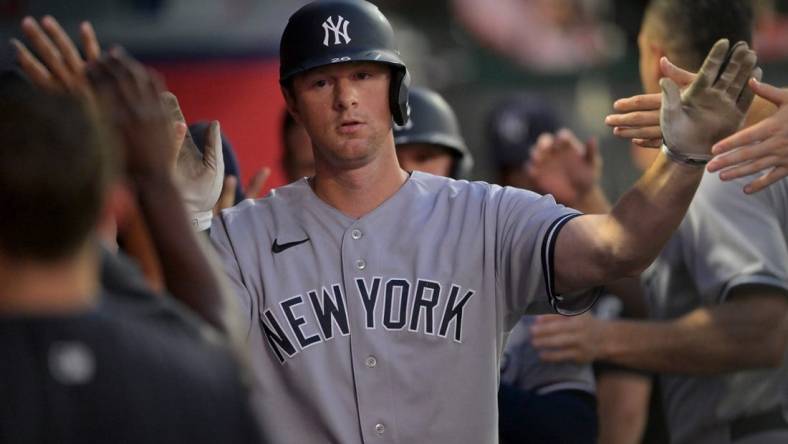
{"x": 188, "y": 274}
{"x": 701, "y": 342}
{"x": 647, "y": 215}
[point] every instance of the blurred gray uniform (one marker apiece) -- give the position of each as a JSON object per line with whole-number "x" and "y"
{"x": 388, "y": 328}
{"x": 522, "y": 368}
{"x": 727, "y": 239}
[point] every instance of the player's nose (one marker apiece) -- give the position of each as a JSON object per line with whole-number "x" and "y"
{"x": 345, "y": 95}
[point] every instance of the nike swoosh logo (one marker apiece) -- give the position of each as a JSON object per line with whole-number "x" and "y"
{"x": 277, "y": 248}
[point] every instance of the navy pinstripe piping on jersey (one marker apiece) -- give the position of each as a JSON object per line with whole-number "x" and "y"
{"x": 548, "y": 256}
{"x": 240, "y": 274}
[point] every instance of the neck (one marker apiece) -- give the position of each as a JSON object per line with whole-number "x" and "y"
{"x": 355, "y": 192}
{"x": 31, "y": 287}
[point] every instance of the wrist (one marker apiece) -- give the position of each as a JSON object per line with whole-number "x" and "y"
{"x": 692, "y": 160}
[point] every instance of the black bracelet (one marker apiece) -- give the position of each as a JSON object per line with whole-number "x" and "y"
{"x": 697, "y": 161}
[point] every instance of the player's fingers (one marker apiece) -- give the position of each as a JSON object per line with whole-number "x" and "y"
{"x": 642, "y": 102}
{"x": 212, "y": 154}
{"x": 558, "y": 355}
{"x": 227, "y": 197}
{"x": 741, "y": 155}
{"x": 63, "y": 43}
{"x": 736, "y": 62}
{"x": 257, "y": 183}
{"x": 778, "y": 96}
{"x": 749, "y": 168}
{"x": 747, "y": 94}
{"x": 648, "y": 132}
{"x": 711, "y": 65}
{"x": 558, "y": 340}
{"x": 680, "y": 76}
{"x": 46, "y": 50}
{"x": 90, "y": 43}
{"x": 743, "y": 74}
{"x": 634, "y": 119}
{"x": 568, "y": 140}
{"x": 592, "y": 151}
{"x": 767, "y": 179}
{"x": 648, "y": 143}
{"x": 38, "y": 74}
{"x": 762, "y": 130}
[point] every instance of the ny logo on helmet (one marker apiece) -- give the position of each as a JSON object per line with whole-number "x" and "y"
{"x": 339, "y": 29}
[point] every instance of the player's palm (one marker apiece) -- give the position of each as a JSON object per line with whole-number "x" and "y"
{"x": 712, "y": 107}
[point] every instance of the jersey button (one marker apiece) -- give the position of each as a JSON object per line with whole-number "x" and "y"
{"x": 360, "y": 264}
{"x": 355, "y": 234}
{"x": 371, "y": 362}
{"x": 380, "y": 428}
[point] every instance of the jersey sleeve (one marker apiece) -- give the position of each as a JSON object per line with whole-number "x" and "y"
{"x": 526, "y": 232}
{"x": 226, "y": 250}
{"x": 732, "y": 239}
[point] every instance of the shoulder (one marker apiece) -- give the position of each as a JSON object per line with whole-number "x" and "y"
{"x": 715, "y": 195}
{"x": 253, "y": 215}
{"x": 463, "y": 189}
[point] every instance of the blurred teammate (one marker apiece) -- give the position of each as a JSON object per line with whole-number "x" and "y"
{"x": 717, "y": 291}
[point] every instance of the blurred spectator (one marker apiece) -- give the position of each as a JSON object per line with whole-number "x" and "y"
{"x": 297, "y": 159}
{"x": 543, "y": 35}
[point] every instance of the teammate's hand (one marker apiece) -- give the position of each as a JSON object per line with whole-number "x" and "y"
{"x": 564, "y": 166}
{"x": 59, "y": 66}
{"x": 761, "y": 147}
{"x": 129, "y": 95}
{"x": 713, "y": 105}
{"x": 567, "y": 338}
{"x": 227, "y": 198}
{"x": 637, "y": 117}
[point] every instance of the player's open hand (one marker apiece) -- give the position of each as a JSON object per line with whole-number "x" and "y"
{"x": 637, "y": 117}
{"x": 564, "y": 166}
{"x": 761, "y": 147}
{"x": 55, "y": 64}
{"x": 567, "y": 338}
{"x": 713, "y": 105}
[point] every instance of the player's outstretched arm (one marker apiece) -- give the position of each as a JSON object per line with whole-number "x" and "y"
{"x": 595, "y": 249}
{"x": 761, "y": 147}
{"x": 748, "y": 331}
{"x": 130, "y": 96}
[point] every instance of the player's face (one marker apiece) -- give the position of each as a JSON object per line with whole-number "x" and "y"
{"x": 650, "y": 54}
{"x": 425, "y": 158}
{"x": 345, "y": 110}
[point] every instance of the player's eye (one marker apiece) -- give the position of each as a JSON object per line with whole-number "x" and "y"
{"x": 319, "y": 83}
{"x": 363, "y": 75}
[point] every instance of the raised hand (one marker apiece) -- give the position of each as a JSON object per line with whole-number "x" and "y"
{"x": 711, "y": 108}
{"x": 637, "y": 117}
{"x": 761, "y": 147}
{"x": 564, "y": 166}
{"x": 58, "y": 66}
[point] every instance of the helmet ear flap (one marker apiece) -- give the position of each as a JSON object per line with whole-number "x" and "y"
{"x": 398, "y": 95}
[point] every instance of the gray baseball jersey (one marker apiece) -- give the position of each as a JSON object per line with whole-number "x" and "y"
{"x": 388, "y": 328}
{"x": 522, "y": 368}
{"x": 727, "y": 239}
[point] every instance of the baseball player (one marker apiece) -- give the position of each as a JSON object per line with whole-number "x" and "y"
{"x": 717, "y": 291}
{"x": 431, "y": 141}
{"x": 377, "y": 300}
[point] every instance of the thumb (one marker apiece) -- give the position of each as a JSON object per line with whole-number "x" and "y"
{"x": 778, "y": 96}
{"x": 212, "y": 155}
{"x": 671, "y": 96}
{"x": 678, "y": 75}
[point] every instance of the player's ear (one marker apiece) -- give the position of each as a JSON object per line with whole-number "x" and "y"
{"x": 290, "y": 102}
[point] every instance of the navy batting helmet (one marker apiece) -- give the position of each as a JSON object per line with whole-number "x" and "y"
{"x": 514, "y": 126}
{"x": 432, "y": 121}
{"x": 336, "y": 31}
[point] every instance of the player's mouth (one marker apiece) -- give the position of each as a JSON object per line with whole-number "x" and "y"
{"x": 350, "y": 126}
